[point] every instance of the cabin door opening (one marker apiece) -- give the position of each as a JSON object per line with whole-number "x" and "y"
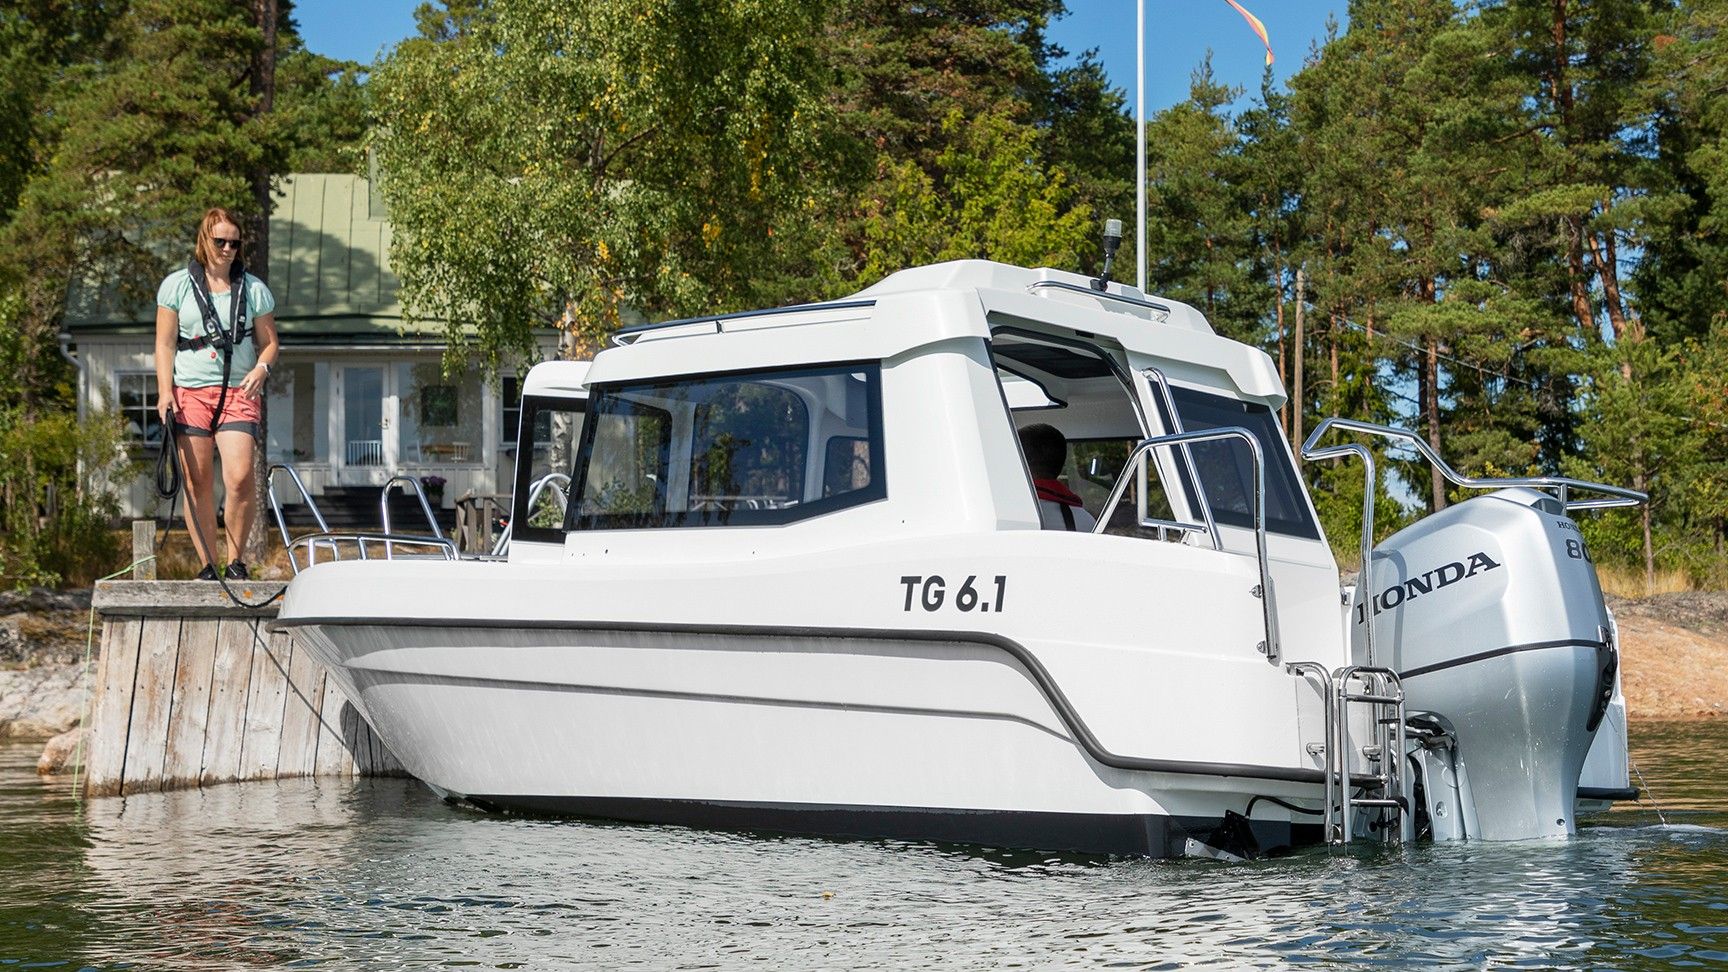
{"x": 1082, "y": 390}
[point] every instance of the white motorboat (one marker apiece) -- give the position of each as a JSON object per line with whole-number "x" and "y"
{"x": 802, "y": 583}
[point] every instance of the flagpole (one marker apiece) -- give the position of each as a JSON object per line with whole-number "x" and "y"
{"x": 1140, "y": 146}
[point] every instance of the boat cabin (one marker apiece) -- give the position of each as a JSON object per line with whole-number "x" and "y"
{"x": 894, "y": 413}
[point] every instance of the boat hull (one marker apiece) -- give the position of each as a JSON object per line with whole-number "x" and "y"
{"x": 946, "y": 736}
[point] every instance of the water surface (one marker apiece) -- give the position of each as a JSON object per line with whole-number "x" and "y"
{"x": 380, "y": 874}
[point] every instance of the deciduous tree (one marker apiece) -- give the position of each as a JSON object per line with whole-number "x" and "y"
{"x": 555, "y": 162}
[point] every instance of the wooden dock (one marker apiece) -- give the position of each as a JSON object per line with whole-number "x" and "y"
{"x": 192, "y": 689}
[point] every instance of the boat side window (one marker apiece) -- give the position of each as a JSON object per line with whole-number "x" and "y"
{"x": 549, "y": 429}
{"x": 1227, "y": 472}
{"x": 759, "y": 448}
{"x": 749, "y": 440}
{"x": 628, "y": 445}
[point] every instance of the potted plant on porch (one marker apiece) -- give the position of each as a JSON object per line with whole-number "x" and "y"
{"x": 434, "y": 486}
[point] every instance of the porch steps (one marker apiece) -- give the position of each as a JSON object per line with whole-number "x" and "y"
{"x": 356, "y": 508}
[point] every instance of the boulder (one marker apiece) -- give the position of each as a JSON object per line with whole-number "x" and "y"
{"x": 61, "y": 751}
{"x": 42, "y": 701}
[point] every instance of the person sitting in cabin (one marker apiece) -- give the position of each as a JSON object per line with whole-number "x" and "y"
{"x": 1059, "y": 508}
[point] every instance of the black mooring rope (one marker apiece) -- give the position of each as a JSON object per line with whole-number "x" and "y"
{"x": 170, "y": 479}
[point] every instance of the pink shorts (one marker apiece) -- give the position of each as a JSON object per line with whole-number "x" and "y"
{"x": 194, "y": 408}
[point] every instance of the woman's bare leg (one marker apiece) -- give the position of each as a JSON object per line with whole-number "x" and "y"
{"x": 196, "y": 454}
{"x": 242, "y": 499}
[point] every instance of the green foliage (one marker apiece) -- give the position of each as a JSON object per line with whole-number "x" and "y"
{"x": 631, "y": 167}
{"x": 1510, "y": 215}
{"x": 1199, "y": 215}
{"x": 941, "y": 97}
{"x": 320, "y": 113}
{"x": 56, "y": 524}
{"x": 120, "y": 123}
{"x": 1336, "y": 487}
{"x": 991, "y": 199}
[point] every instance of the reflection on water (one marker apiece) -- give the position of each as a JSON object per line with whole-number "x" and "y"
{"x": 380, "y": 874}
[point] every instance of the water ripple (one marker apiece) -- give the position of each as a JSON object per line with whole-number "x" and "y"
{"x": 379, "y": 874}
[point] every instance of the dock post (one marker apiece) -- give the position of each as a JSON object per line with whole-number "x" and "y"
{"x": 144, "y": 550}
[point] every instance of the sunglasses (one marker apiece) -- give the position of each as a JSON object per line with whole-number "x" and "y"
{"x": 230, "y": 244}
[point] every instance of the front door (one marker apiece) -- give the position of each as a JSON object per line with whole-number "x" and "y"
{"x": 365, "y": 451}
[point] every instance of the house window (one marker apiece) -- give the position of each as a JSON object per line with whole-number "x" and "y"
{"x": 135, "y": 394}
{"x": 440, "y": 421}
{"x": 438, "y": 405}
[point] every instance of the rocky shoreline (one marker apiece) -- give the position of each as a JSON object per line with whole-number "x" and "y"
{"x": 42, "y": 638}
{"x": 1674, "y": 659}
{"x": 1674, "y": 655}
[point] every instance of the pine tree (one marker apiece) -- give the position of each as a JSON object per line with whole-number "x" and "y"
{"x": 906, "y": 71}
{"x": 1199, "y": 232}
{"x": 144, "y": 139}
{"x": 1272, "y": 177}
{"x": 1682, "y": 279}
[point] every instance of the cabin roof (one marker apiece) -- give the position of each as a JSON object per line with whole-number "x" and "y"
{"x": 925, "y": 306}
{"x": 560, "y": 379}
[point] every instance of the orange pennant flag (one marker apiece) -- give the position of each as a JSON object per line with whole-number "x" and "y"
{"x": 1259, "y": 28}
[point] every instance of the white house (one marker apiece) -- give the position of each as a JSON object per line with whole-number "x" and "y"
{"x": 358, "y": 396}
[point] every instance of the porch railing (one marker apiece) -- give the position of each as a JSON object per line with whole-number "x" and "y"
{"x": 365, "y": 452}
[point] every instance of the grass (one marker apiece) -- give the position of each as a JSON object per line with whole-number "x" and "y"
{"x": 176, "y": 560}
{"x": 1630, "y": 582}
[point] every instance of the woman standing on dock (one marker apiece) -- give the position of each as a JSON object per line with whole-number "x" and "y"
{"x": 215, "y": 346}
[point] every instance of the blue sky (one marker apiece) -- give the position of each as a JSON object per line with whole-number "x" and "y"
{"x": 1178, "y": 35}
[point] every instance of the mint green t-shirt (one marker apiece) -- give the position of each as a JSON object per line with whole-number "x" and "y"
{"x": 202, "y": 368}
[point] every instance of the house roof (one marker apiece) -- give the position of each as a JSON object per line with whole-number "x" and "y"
{"x": 329, "y": 270}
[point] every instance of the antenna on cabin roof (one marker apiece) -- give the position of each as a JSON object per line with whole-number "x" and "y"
{"x": 1112, "y": 240}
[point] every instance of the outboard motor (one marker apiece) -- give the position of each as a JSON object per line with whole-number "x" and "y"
{"x": 1491, "y": 613}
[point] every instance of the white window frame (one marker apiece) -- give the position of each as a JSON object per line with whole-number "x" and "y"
{"x": 151, "y": 398}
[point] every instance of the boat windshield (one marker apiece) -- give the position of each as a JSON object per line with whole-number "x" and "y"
{"x": 1226, "y": 470}
{"x": 729, "y": 450}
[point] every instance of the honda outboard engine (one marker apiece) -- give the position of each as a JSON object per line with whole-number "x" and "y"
{"x": 1491, "y": 613}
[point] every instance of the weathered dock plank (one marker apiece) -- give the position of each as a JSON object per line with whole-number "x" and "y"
{"x": 228, "y": 696}
{"x": 192, "y": 689}
{"x": 111, "y": 708}
{"x": 335, "y": 733}
{"x": 190, "y": 716}
{"x": 152, "y": 704}
{"x": 269, "y": 692}
{"x": 181, "y": 599}
{"x": 300, "y": 717}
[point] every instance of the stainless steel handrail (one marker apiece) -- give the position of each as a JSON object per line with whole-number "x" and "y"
{"x": 281, "y": 517}
{"x": 502, "y": 546}
{"x": 313, "y": 541}
{"x": 1269, "y": 647}
{"x": 1334, "y": 775}
{"x": 1364, "y": 575}
{"x": 1100, "y": 294}
{"x": 419, "y": 493}
{"x": 1621, "y": 496}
